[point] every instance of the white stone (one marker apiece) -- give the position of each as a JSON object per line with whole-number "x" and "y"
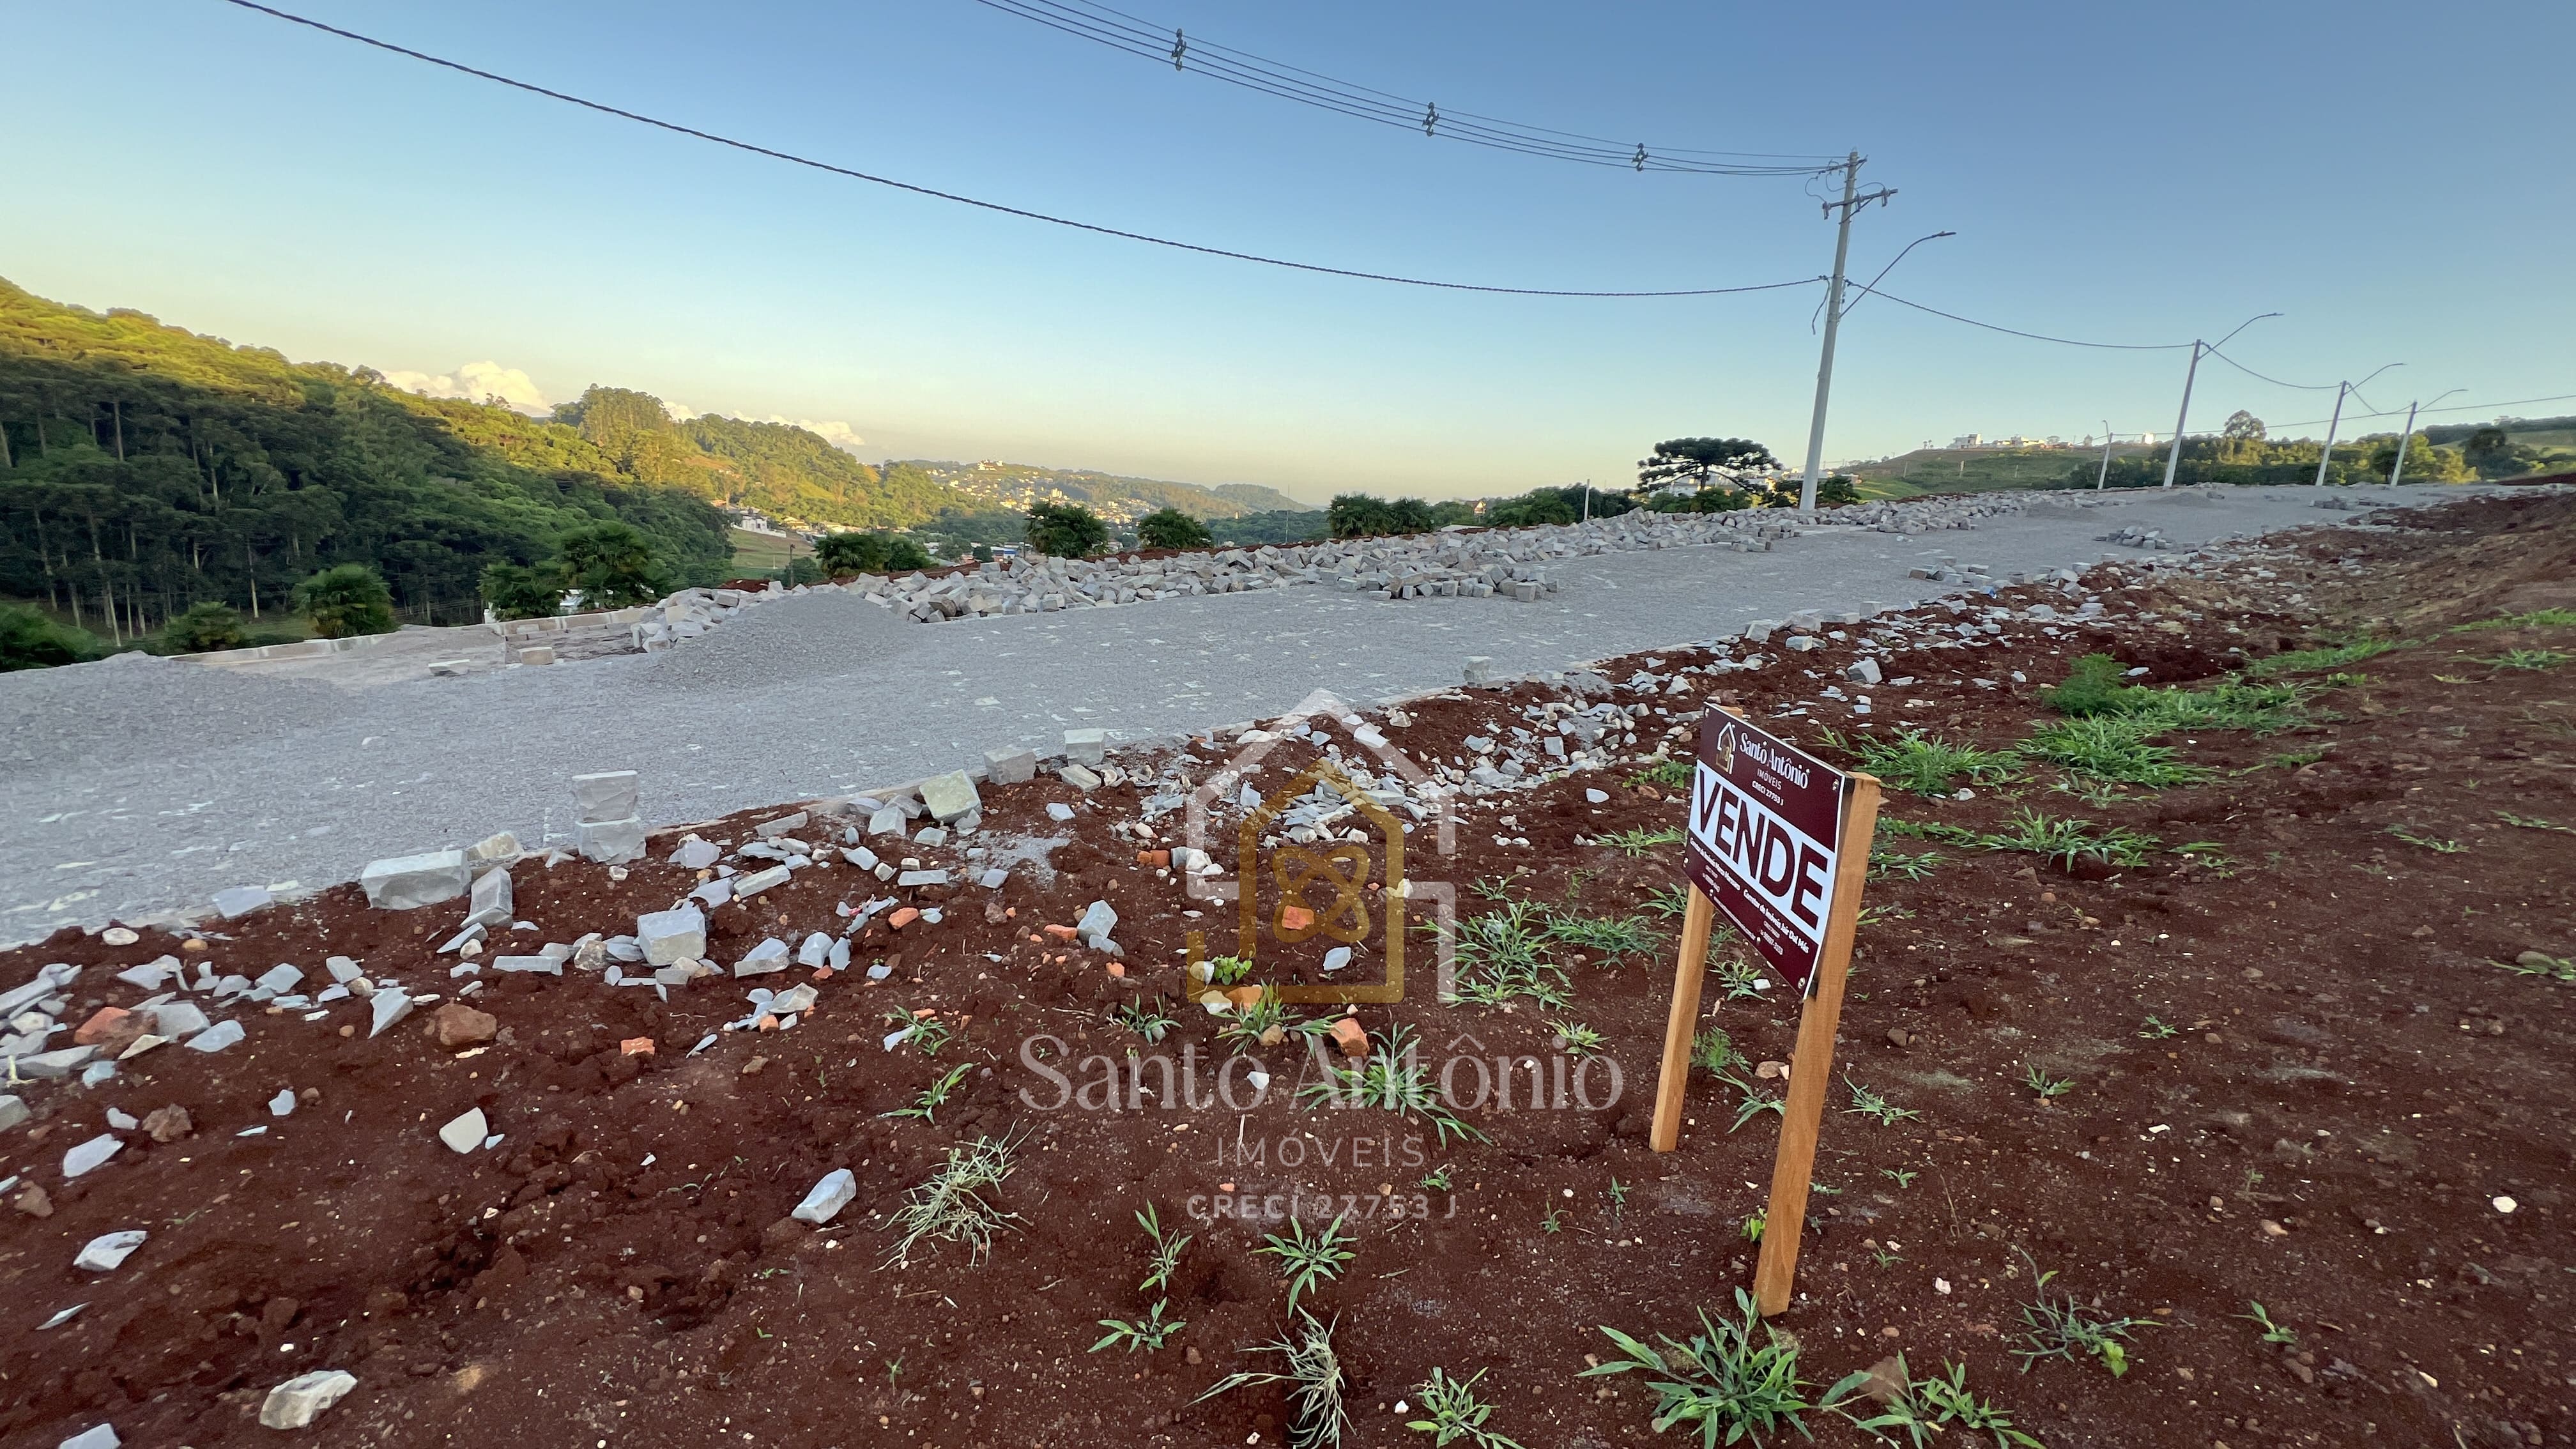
{"x": 492, "y": 901}
{"x": 950, "y": 797}
{"x": 13, "y": 1111}
{"x": 90, "y": 1154}
{"x": 295, "y": 1403}
{"x": 814, "y": 950}
{"x": 770, "y": 955}
{"x": 696, "y": 854}
{"x": 611, "y": 842}
{"x": 1010, "y": 767}
{"x": 385, "y": 1008}
{"x": 217, "y": 1037}
{"x": 242, "y": 900}
{"x": 464, "y": 1134}
{"x": 407, "y": 882}
{"x": 607, "y": 795}
{"x": 1097, "y": 923}
{"x": 828, "y": 1197}
{"x": 176, "y": 1019}
{"x": 118, "y": 936}
{"x": 1086, "y": 747}
{"x": 283, "y": 1104}
{"x": 669, "y": 936}
{"x": 108, "y": 1251}
{"x": 1337, "y": 958}
{"x": 100, "y": 1436}
{"x": 753, "y": 884}
{"x": 1865, "y": 671}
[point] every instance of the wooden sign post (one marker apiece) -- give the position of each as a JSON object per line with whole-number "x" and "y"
{"x": 1779, "y": 841}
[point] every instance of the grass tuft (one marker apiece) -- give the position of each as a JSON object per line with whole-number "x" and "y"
{"x": 1925, "y": 765}
{"x": 1720, "y": 1379}
{"x": 1317, "y": 1417}
{"x": 954, "y": 1205}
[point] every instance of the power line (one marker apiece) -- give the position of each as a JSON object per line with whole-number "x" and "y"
{"x": 793, "y": 159}
{"x": 2454, "y": 408}
{"x": 1118, "y": 30}
{"x": 2013, "y": 331}
{"x": 2276, "y": 382}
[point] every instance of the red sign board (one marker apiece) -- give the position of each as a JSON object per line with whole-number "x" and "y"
{"x": 1766, "y": 823}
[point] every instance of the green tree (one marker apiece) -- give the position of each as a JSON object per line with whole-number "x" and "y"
{"x": 2242, "y": 427}
{"x": 346, "y": 600}
{"x": 518, "y": 591}
{"x": 1066, "y": 530}
{"x": 206, "y": 626}
{"x": 852, "y": 553}
{"x": 904, "y": 555}
{"x": 611, "y": 564}
{"x": 1698, "y": 460}
{"x": 1171, "y": 528}
{"x": 802, "y": 569}
{"x": 29, "y": 640}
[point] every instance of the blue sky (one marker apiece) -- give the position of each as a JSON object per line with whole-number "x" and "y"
{"x": 2395, "y": 184}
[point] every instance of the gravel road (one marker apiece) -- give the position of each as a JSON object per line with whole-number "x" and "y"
{"x": 140, "y": 784}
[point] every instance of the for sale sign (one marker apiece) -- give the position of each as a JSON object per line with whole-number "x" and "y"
{"x": 1766, "y": 824}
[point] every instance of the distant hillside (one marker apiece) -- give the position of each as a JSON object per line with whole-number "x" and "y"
{"x": 1974, "y": 470}
{"x": 1119, "y": 499}
{"x": 144, "y": 468}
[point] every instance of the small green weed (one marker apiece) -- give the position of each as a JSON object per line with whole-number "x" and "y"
{"x": 2056, "y": 1325}
{"x": 1875, "y": 1107}
{"x": 1317, "y": 1417}
{"x": 1900, "y": 1176}
{"x": 1226, "y": 970}
{"x": 2272, "y": 1332}
{"x": 2533, "y": 822}
{"x": 1668, "y": 902}
{"x": 1714, "y": 1051}
{"x": 932, "y": 1097}
{"x": 2536, "y": 619}
{"x": 2542, "y": 965}
{"x": 1577, "y": 1039}
{"x": 1147, "y": 1020}
{"x": 1166, "y": 1257}
{"x": 1456, "y": 1414}
{"x": 1923, "y": 1406}
{"x": 1436, "y": 1180}
{"x": 1886, "y": 862}
{"x": 1553, "y": 1221}
{"x": 2156, "y": 1030}
{"x": 1637, "y": 842}
{"x": 1922, "y": 764}
{"x": 1148, "y": 1333}
{"x": 2047, "y": 1088}
{"x": 928, "y": 1033}
{"x": 2069, "y": 841}
{"x": 2309, "y": 661}
{"x": 1722, "y": 1380}
{"x": 2528, "y": 659}
{"x": 1752, "y": 1101}
{"x": 1668, "y": 775}
{"x": 2113, "y": 748}
{"x": 1304, "y": 1261}
{"x": 1393, "y": 1078}
{"x": 2434, "y": 844}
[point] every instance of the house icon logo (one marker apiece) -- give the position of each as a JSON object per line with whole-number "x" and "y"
{"x": 1321, "y": 898}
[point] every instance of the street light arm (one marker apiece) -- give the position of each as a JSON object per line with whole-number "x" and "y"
{"x": 2241, "y": 326}
{"x": 2358, "y": 386}
{"x": 1891, "y": 266}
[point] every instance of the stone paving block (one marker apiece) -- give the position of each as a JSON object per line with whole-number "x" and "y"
{"x": 950, "y": 797}
{"x": 668, "y": 936}
{"x": 605, "y": 795}
{"x": 611, "y": 842}
{"x": 1010, "y": 767}
{"x": 1086, "y": 747}
{"x": 409, "y": 882}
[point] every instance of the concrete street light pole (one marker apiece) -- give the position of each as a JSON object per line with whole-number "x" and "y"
{"x": 2105, "y": 475}
{"x": 2397, "y": 469}
{"x": 2173, "y": 459}
{"x": 1833, "y": 324}
{"x": 2342, "y": 390}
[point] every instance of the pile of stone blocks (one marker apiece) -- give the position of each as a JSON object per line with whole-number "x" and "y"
{"x": 608, "y": 828}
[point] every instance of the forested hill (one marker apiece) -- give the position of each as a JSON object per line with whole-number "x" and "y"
{"x": 143, "y": 467}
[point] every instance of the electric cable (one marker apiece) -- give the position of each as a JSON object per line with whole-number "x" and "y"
{"x": 1118, "y": 30}
{"x": 792, "y": 158}
{"x": 1992, "y": 327}
{"x": 2276, "y": 382}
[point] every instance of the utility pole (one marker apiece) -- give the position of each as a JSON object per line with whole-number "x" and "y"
{"x": 2336, "y": 420}
{"x": 2398, "y": 468}
{"x": 1850, "y": 203}
{"x": 2105, "y": 475}
{"x": 2342, "y": 390}
{"x": 2173, "y": 459}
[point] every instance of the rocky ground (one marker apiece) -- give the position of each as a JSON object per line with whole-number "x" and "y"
{"x": 2285, "y": 1020}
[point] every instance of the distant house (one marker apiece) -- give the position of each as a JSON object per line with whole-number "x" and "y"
{"x": 1968, "y": 440}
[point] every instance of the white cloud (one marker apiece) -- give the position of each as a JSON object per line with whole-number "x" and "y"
{"x": 476, "y": 381}
{"x": 839, "y": 435}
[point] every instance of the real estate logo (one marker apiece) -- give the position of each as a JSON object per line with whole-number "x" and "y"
{"x": 1319, "y": 886}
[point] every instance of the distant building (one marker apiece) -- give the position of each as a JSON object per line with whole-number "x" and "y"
{"x": 1968, "y": 440}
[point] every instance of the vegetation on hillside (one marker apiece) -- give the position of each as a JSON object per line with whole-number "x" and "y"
{"x": 144, "y": 469}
